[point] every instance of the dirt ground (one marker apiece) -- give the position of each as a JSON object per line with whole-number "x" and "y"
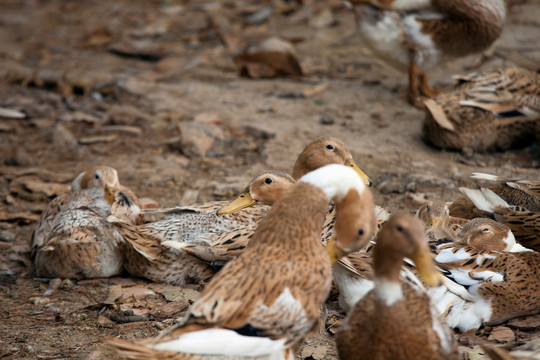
{"x": 151, "y": 88}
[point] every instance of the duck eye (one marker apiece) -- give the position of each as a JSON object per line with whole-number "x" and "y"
{"x": 361, "y": 232}
{"x": 96, "y": 176}
{"x": 427, "y": 207}
{"x": 399, "y": 228}
{"x": 330, "y": 147}
{"x": 267, "y": 181}
{"x": 485, "y": 230}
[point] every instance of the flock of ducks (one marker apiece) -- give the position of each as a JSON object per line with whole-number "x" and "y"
{"x": 269, "y": 257}
{"x": 494, "y": 110}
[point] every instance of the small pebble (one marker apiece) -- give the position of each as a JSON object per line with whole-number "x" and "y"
{"x": 29, "y": 349}
{"x": 6, "y": 236}
{"x": 67, "y": 284}
{"x": 327, "y": 119}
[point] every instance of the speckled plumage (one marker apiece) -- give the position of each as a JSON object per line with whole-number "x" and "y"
{"x": 505, "y": 284}
{"x": 278, "y": 297}
{"x": 396, "y": 320}
{"x": 155, "y": 250}
{"x": 81, "y": 243}
{"x": 96, "y": 177}
{"x": 192, "y": 237}
{"x": 525, "y": 224}
{"x": 416, "y": 35}
{"x": 521, "y": 193}
{"x": 494, "y": 110}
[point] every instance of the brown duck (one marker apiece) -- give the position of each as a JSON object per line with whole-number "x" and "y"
{"x": 159, "y": 251}
{"x": 396, "y": 320}
{"x": 81, "y": 243}
{"x": 266, "y": 307}
{"x": 416, "y": 35}
{"x": 494, "y": 110}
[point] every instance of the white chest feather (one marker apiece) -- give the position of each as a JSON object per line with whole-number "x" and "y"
{"x": 388, "y": 292}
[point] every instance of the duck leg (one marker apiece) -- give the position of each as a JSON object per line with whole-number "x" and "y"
{"x": 425, "y": 88}
{"x": 413, "y": 94}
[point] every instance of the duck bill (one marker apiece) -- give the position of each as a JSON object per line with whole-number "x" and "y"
{"x": 109, "y": 196}
{"x": 426, "y": 268}
{"x": 432, "y": 222}
{"x": 243, "y": 201}
{"x": 362, "y": 174}
{"x": 333, "y": 251}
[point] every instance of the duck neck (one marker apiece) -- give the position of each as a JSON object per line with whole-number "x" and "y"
{"x": 387, "y": 285}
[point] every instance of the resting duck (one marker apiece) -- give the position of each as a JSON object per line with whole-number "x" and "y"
{"x": 173, "y": 251}
{"x": 396, "y": 320}
{"x": 525, "y": 224}
{"x": 522, "y": 193}
{"x": 494, "y": 110}
{"x": 499, "y": 278}
{"x": 415, "y": 35}
{"x": 160, "y": 251}
{"x": 266, "y": 307}
{"x": 435, "y": 213}
{"x": 81, "y": 243}
{"x": 95, "y": 178}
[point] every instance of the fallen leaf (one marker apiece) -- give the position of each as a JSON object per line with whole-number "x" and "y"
{"x": 123, "y": 128}
{"x": 169, "y": 310}
{"x": 11, "y": 114}
{"x": 125, "y": 282}
{"x": 315, "y": 90}
{"x": 143, "y": 49}
{"x": 273, "y": 57}
{"x": 49, "y": 189}
{"x": 175, "y": 293}
{"x": 502, "y": 334}
{"x": 115, "y": 292}
{"x": 97, "y": 139}
{"x": 136, "y": 292}
{"x": 105, "y": 322}
{"x": 525, "y": 323}
{"x": 18, "y": 216}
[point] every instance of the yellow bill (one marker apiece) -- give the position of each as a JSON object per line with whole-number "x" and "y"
{"x": 362, "y": 174}
{"x": 432, "y": 222}
{"x": 426, "y": 267}
{"x": 243, "y": 201}
{"x": 333, "y": 251}
{"x": 109, "y": 196}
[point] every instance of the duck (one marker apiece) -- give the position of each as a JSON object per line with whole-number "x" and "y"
{"x": 396, "y": 320}
{"x": 416, "y": 35}
{"x": 164, "y": 250}
{"x": 96, "y": 177}
{"x": 516, "y": 192}
{"x": 488, "y": 111}
{"x": 322, "y": 151}
{"x": 266, "y": 307}
{"x": 81, "y": 243}
{"x": 179, "y": 249}
{"x": 463, "y": 259}
{"x": 525, "y": 224}
{"x": 498, "y": 278}
{"x": 435, "y": 213}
